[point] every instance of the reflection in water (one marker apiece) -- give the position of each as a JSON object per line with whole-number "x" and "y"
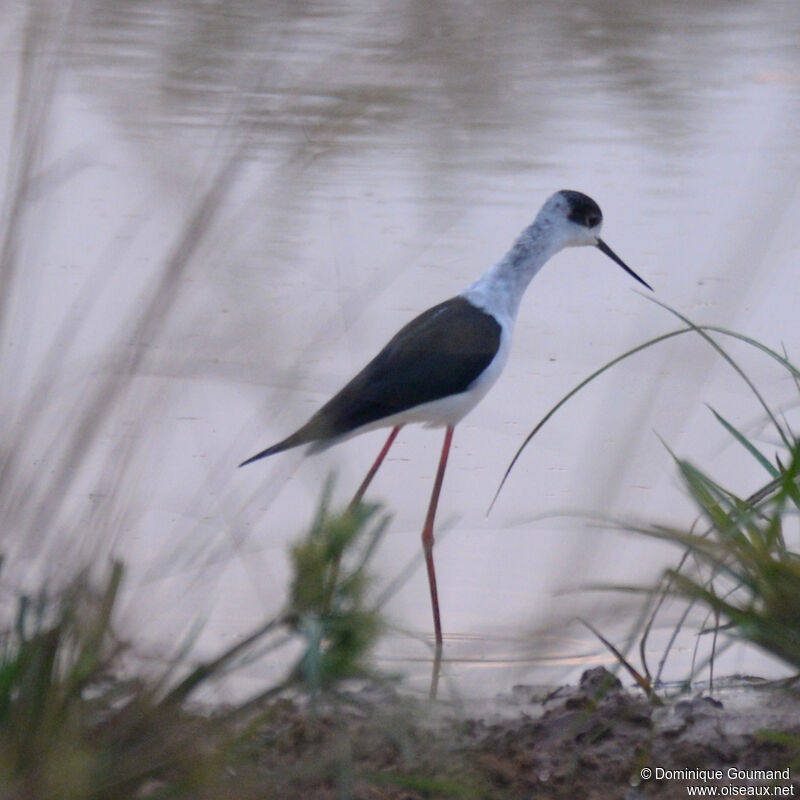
{"x": 456, "y": 90}
{"x": 390, "y": 151}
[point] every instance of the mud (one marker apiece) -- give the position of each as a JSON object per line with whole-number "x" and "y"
{"x": 595, "y": 740}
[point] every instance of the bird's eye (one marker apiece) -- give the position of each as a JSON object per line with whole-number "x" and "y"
{"x": 592, "y": 220}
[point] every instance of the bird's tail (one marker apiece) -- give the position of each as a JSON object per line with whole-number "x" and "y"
{"x": 320, "y": 432}
{"x": 290, "y": 441}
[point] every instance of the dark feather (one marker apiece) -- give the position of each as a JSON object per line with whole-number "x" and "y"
{"x": 438, "y": 354}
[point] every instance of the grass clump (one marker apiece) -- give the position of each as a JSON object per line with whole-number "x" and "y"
{"x": 72, "y": 726}
{"x": 743, "y": 566}
{"x": 327, "y": 597}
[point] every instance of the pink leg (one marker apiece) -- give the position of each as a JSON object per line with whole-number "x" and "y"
{"x": 427, "y": 533}
{"x": 374, "y": 468}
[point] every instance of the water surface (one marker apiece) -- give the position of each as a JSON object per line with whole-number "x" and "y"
{"x": 391, "y": 153}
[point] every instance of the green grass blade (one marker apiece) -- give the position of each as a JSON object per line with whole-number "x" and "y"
{"x": 747, "y": 444}
{"x": 692, "y": 327}
{"x": 767, "y": 410}
{"x": 539, "y": 425}
{"x": 782, "y": 360}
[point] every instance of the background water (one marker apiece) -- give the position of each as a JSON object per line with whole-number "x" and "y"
{"x": 381, "y": 156}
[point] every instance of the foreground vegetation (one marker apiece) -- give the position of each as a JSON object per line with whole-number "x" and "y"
{"x": 71, "y": 726}
{"x": 741, "y": 557}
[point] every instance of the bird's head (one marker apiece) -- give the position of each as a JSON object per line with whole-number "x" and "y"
{"x": 575, "y": 220}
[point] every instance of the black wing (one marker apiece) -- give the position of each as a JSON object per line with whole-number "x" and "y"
{"x": 438, "y": 354}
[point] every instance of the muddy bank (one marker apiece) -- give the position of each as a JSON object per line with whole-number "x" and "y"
{"x": 596, "y": 740}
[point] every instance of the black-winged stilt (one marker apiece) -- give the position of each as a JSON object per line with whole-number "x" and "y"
{"x": 440, "y": 365}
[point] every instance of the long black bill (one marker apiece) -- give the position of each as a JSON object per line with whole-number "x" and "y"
{"x": 604, "y": 248}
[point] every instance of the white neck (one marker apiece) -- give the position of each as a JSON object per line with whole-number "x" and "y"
{"x": 499, "y": 290}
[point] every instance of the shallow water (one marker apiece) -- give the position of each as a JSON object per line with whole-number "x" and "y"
{"x": 392, "y": 152}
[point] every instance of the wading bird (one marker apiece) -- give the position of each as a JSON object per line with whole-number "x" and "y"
{"x": 441, "y": 364}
